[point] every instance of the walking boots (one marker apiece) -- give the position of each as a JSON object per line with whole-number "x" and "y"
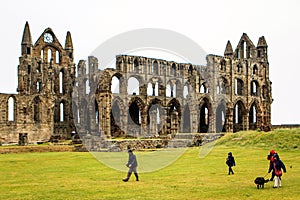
{"x": 136, "y": 176}
{"x": 128, "y": 177}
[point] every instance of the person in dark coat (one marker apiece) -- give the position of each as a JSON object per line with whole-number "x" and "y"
{"x": 230, "y": 162}
{"x": 132, "y": 165}
{"x": 277, "y": 166}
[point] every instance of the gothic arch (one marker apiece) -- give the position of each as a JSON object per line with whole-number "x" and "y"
{"x": 239, "y": 116}
{"x": 254, "y": 88}
{"x": 139, "y": 101}
{"x": 116, "y": 115}
{"x": 174, "y": 104}
{"x": 221, "y": 117}
{"x": 11, "y": 108}
{"x": 116, "y": 78}
{"x": 205, "y": 113}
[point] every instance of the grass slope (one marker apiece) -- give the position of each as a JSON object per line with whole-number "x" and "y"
{"x": 73, "y": 175}
{"x": 284, "y": 139}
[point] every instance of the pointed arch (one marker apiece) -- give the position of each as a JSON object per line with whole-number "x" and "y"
{"x": 155, "y": 70}
{"x": 253, "y": 117}
{"x": 255, "y": 70}
{"x": 133, "y": 86}
{"x": 61, "y": 81}
{"x": 204, "y": 115}
{"x": 11, "y": 108}
{"x": 203, "y": 88}
{"x": 221, "y": 117}
{"x": 254, "y": 88}
{"x": 116, "y": 115}
{"x": 238, "y": 86}
{"x": 168, "y": 90}
{"x": 174, "y": 104}
{"x": 239, "y": 116}
{"x": 62, "y": 111}
{"x": 185, "y": 90}
{"x": 135, "y": 67}
{"x": 115, "y": 85}
{"x": 150, "y": 89}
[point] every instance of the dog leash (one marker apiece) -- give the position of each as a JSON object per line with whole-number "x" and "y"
{"x": 266, "y": 175}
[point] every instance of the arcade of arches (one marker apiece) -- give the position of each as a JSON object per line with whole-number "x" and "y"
{"x": 141, "y": 97}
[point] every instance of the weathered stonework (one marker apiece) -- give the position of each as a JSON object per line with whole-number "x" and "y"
{"x": 231, "y": 93}
{"x": 46, "y": 74}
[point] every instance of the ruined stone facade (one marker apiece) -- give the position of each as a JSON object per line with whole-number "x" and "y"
{"x": 155, "y": 97}
{"x": 141, "y": 97}
{"x": 42, "y": 107}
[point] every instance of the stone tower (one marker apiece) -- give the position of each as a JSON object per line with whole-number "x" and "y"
{"x": 46, "y": 74}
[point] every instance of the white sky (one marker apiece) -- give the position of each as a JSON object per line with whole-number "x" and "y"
{"x": 210, "y": 23}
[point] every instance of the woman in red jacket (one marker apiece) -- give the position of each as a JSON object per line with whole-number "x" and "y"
{"x": 277, "y": 166}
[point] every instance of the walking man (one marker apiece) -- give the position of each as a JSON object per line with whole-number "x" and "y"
{"x": 132, "y": 165}
{"x": 230, "y": 162}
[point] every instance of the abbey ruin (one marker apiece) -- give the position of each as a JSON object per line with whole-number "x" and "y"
{"x": 141, "y": 97}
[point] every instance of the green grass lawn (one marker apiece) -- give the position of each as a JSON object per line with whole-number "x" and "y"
{"x": 74, "y": 175}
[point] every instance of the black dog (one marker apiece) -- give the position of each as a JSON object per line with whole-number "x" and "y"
{"x": 260, "y": 182}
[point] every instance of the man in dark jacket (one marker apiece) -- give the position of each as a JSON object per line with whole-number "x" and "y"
{"x": 230, "y": 162}
{"x": 132, "y": 165}
{"x": 276, "y": 167}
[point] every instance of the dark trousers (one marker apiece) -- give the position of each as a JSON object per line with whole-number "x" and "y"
{"x": 230, "y": 170}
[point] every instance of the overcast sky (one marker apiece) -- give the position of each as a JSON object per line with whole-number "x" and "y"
{"x": 210, "y": 23}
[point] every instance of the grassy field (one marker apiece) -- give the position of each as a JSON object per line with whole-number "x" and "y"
{"x": 74, "y": 175}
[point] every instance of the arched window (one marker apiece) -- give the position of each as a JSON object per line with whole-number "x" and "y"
{"x": 155, "y": 67}
{"x": 133, "y": 86}
{"x": 134, "y": 116}
{"x": 115, "y": 85}
{"x": 42, "y": 55}
{"x": 185, "y": 91}
{"x": 243, "y": 49}
{"x": 173, "y": 69}
{"x": 135, "y": 65}
{"x": 239, "y": 117}
{"x": 57, "y": 57}
{"x": 190, "y": 70}
{"x": 38, "y": 86}
{"x": 203, "y": 89}
{"x": 87, "y": 87}
{"x": 61, "y": 81}
{"x": 156, "y": 89}
{"x": 168, "y": 90}
{"x": 11, "y": 109}
{"x": 61, "y": 114}
{"x": 255, "y": 70}
{"x": 149, "y": 89}
{"x": 174, "y": 91}
{"x": 253, "y": 117}
{"x": 49, "y": 56}
{"x": 223, "y": 65}
{"x": 238, "y": 87}
{"x": 254, "y": 88}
